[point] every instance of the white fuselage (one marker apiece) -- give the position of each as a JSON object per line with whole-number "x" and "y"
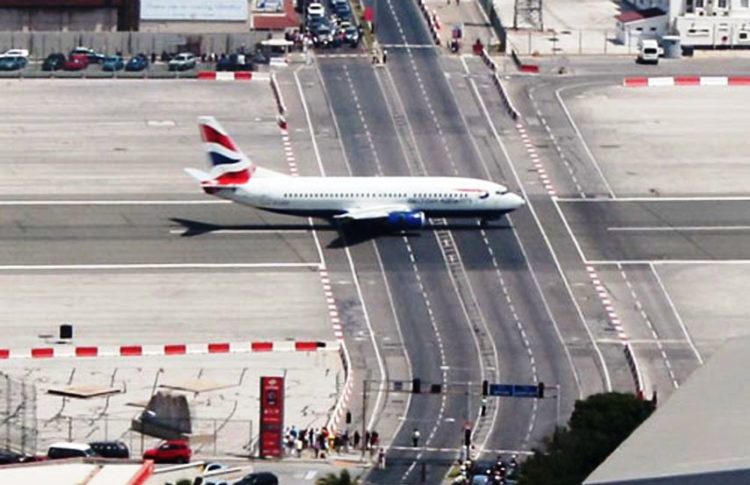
{"x": 331, "y": 196}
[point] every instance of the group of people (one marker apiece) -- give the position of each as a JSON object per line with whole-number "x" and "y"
{"x": 321, "y": 442}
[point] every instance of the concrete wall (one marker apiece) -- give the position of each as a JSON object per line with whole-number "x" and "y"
{"x": 40, "y": 44}
{"x": 193, "y": 26}
{"x": 48, "y": 19}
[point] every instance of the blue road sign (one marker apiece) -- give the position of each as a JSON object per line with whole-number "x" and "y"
{"x": 501, "y": 390}
{"x": 525, "y": 391}
{"x": 513, "y": 390}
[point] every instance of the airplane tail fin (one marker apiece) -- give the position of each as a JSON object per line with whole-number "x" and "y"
{"x": 229, "y": 166}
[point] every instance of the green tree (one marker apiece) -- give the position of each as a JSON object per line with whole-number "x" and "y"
{"x": 332, "y": 479}
{"x": 598, "y": 425}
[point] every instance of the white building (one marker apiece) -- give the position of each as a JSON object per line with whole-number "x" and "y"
{"x": 698, "y": 23}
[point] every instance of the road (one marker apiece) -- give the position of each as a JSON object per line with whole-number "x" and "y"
{"x": 459, "y": 288}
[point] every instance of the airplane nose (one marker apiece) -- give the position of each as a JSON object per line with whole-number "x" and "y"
{"x": 517, "y": 201}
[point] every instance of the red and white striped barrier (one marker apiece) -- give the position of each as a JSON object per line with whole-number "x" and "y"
{"x": 635, "y": 371}
{"x": 434, "y": 29}
{"x": 638, "y": 82}
{"x": 168, "y": 349}
{"x": 225, "y": 76}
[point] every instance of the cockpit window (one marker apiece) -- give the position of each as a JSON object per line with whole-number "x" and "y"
{"x": 502, "y": 192}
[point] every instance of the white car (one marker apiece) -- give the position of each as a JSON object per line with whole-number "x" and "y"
{"x": 16, "y": 53}
{"x": 182, "y": 62}
{"x": 316, "y": 10}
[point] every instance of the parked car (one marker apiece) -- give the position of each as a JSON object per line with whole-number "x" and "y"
{"x": 110, "y": 449}
{"x": 16, "y": 53}
{"x": 259, "y": 478}
{"x": 53, "y": 62}
{"x": 182, "y": 62}
{"x": 93, "y": 56}
{"x": 235, "y": 62}
{"x": 171, "y": 451}
{"x": 12, "y": 63}
{"x": 8, "y": 457}
{"x": 137, "y": 63}
{"x": 69, "y": 450}
{"x": 113, "y": 63}
{"x": 76, "y": 62}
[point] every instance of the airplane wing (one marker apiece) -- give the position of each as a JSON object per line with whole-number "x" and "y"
{"x": 365, "y": 213}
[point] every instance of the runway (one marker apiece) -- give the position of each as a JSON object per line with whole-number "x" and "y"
{"x": 653, "y": 230}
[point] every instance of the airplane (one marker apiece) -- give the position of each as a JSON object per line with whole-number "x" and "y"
{"x": 401, "y": 202}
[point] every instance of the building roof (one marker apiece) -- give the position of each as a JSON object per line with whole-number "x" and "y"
{"x": 74, "y": 472}
{"x": 635, "y": 15}
{"x": 277, "y": 21}
{"x": 702, "y": 429}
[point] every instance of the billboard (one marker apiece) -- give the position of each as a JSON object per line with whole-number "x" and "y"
{"x": 194, "y": 10}
{"x": 271, "y": 416}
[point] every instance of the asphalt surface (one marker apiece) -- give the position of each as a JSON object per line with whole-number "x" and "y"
{"x": 490, "y": 293}
{"x": 143, "y": 232}
{"x": 654, "y": 230}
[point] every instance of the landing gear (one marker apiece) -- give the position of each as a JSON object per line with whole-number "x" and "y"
{"x": 484, "y": 222}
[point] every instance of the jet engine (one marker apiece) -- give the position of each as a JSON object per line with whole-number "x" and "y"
{"x": 406, "y": 220}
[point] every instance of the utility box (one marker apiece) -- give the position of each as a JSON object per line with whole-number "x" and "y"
{"x": 66, "y": 331}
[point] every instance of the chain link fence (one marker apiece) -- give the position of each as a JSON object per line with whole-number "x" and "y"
{"x": 19, "y": 419}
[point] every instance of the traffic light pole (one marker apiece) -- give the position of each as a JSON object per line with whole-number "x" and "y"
{"x": 364, "y": 417}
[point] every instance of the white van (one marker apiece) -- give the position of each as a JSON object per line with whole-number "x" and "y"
{"x": 648, "y": 51}
{"x": 66, "y": 449}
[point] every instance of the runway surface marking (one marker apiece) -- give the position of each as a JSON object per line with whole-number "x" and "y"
{"x": 676, "y": 228}
{"x": 659, "y": 199}
{"x": 114, "y": 202}
{"x": 639, "y": 307}
{"x": 47, "y": 267}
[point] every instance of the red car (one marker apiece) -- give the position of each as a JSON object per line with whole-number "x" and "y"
{"x": 76, "y": 62}
{"x": 171, "y": 451}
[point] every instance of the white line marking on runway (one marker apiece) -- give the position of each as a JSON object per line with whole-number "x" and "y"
{"x": 125, "y": 266}
{"x": 114, "y": 202}
{"x": 676, "y": 228}
{"x": 661, "y": 199}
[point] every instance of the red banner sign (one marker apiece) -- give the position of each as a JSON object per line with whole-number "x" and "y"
{"x": 271, "y": 416}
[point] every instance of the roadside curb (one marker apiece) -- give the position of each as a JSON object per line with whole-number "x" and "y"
{"x": 639, "y": 82}
{"x": 512, "y": 111}
{"x": 168, "y": 349}
{"x": 232, "y": 76}
{"x": 432, "y": 21}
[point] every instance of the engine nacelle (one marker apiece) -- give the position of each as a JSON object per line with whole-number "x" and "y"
{"x": 406, "y": 220}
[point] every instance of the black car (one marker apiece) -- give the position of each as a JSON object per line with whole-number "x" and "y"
{"x": 8, "y": 457}
{"x": 53, "y": 62}
{"x": 235, "y": 62}
{"x": 110, "y": 449}
{"x": 260, "y": 478}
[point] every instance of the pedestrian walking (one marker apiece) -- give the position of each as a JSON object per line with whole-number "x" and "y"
{"x": 385, "y": 55}
{"x": 298, "y": 446}
{"x": 415, "y": 435}
{"x": 356, "y": 439}
{"x": 381, "y": 459}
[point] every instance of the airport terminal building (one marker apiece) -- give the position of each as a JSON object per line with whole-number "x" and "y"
{"x": 698, "y": 23}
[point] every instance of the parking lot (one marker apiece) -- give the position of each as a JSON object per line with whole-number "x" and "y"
{"x": 100, "y": 228}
